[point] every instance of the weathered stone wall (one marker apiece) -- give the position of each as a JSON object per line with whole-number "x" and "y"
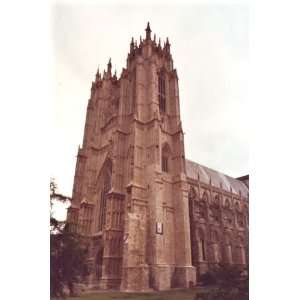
{"x": 219, "y": 226}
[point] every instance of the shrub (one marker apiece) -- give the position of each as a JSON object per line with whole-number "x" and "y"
{"x": 233, "y": 283}
{"x": 208, "y": 278}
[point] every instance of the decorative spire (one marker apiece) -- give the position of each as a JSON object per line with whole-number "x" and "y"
{"x": 98, "y": 76}
{"x": 159, "y": 46}
{"x": 132, "y": 45}
{"x": 109, "y": 67}
{"x": 154, "y": 38}
{"x": 148, "y": 32}
{"x": 167, "y": 45}
{"x": 140, "y": 39}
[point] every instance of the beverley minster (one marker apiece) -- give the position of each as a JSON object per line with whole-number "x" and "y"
{"x": 153, "y": 219}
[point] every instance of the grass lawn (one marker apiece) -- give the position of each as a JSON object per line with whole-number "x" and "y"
{"x": 178, "y": 294}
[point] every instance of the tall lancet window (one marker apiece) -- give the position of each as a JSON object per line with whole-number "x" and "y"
{"x": 162, "y": 91}
{"x": 99, "y": 262}
{"x": 201, "y": 244}
{"x": 105, "y": 186}
{"x": 165, "y": 158}
{"x": 215, "y": 246}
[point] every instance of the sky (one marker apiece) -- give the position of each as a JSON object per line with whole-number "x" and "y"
{"x": 209, "y": 45}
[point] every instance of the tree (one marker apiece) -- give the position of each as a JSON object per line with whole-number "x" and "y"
{"x": 232, "y": 283}
{"x": 68, "y": 252}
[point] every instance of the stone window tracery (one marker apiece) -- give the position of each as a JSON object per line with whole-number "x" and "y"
{"x": 205, "y": 197}
{"x": 162, "y": 91}
{"x": 217, "y": 201}
{"x": 240, "y": 219}
{"x": 237, "y": 206}
{"x": 201, "y": 245}
{"x": 165, "y": 158}
{"x": 228, "y": 217}
{"x": 240, "y": 251}
{"x": 227, "y": 204}
{"x": 105, "y": 186}
{"x": 202, "y": 208}
{"x": 228, "y": 247}
{"x": 215, "y": 246}
{"x": 164, "y": 164}
{"x": 214, "y": 210}
{"x": 99, "y": 262}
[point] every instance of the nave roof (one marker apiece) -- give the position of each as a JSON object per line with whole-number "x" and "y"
{"x": 206, "y": 175}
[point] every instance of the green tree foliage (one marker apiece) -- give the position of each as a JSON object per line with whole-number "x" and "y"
{"x": 232, "y": 283}
{"x": 68, "y": 252}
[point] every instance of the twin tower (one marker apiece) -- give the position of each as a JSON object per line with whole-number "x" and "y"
{"x": 130, "y": 194}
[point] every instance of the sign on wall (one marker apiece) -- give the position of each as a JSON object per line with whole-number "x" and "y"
{"x": 159, "y": 228}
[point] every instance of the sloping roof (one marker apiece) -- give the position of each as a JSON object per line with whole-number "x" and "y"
{"x": 205, "y": 174}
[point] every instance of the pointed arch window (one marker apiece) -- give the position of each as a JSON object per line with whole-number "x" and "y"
{"x": 227, "y": 203}
{"x": 99, "y": 262}
{"x": 215, "y": 246}
{"x": 192, "y": 193}
{"x": 165, "y": 158}
{"x": 228, "y": 247}
{"x": 240, "y": 251}
{"x": 105, "y": 186}
{"x": 165, "y": 167}
{"x": 162, "y": 92}
{"x": 202, "y": 244}
{"x": 205, "y": 198}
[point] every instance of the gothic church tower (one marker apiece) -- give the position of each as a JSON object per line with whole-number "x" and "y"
{"x": 130, "y": 194}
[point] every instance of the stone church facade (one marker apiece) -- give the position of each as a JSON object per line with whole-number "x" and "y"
{"x": 153, "y": 219}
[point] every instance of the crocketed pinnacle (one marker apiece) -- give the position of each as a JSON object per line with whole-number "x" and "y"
{"x": 148, "y": 32}
{"x": 109, "y": 68}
